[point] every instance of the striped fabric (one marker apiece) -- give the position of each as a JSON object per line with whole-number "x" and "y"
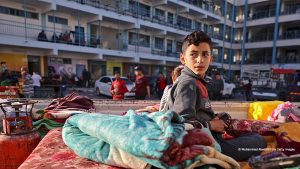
{"x": 165, "y": 98}
{"x": 27, "y": 87}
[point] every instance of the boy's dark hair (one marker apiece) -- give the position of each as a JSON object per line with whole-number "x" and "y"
{"x": 195, "y": 38}
{"x": 217, "y": 74}
{"x": 160, "y": 73}
{"x": 250, "y": 81}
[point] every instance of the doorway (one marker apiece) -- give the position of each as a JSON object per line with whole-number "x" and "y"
{"x": 81, "y": 31}
{"x": 169, "y": 46}
{"x": 117, "y": 69}
{"x": 34, "y": 64}
{"x": 98, "y": 69}
{"x": 79, "y": 70}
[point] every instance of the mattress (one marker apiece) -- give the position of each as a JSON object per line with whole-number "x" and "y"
{"x": 53, "y": 153}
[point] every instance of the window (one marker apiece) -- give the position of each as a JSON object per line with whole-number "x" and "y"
{"x": 159, "y": 12}
{"x": 127, "y": 81}
{"x": 159, "y": 43}
{"x": 18, "y": 12}
{"x": 144, "y": 40}
{"x": 132, "y": 38}
{"x": 60, "y": 61}
{"x": 58, "y": 20}
{"x": 67, "y": 61}
{"x": 104, "y": 80}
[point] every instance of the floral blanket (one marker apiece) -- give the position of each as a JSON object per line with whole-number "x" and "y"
{"x": 136, "y": 140}
{"x": 53, "y": 153}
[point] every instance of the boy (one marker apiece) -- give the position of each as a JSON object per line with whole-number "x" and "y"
{"x": 118, "y": 87}
{"x": 189, "y": 98}
{"x": 141, "y": 84}
{"x": 248, "y": 88}
{"x": 37, "y": 79}
{"x": 160, "y": 85}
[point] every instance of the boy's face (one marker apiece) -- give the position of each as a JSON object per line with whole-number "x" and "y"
{"x": 197, "y": 58}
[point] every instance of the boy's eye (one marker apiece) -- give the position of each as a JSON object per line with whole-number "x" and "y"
{"x": 206, "y": 54}
{"x": 193, "y": 54}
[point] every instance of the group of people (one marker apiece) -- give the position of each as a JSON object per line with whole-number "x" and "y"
{"x": 62, "y": 38}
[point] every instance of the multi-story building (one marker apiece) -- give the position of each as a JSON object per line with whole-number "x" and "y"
{"x": 108, "y": 35}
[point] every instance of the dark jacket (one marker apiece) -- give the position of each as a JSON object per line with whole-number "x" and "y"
{"x": 218, "y": 86}
{"x": 189, "y": 98}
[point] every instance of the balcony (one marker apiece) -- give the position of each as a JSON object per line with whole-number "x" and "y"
{"x": 290, "y": 10}
{"x": 261, "y": 37}
{"x": 288, "y": 59}
{"x": 262, "y": 14}
{"x": 18, "y": 31}
{"x": 289, "y": 35}
{"x": 207, "y": 7}
{"x": 259, "y": 60}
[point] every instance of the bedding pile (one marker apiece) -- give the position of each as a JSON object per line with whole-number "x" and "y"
{"x": 162, "y": 140}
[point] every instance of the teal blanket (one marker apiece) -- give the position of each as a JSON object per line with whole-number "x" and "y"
{"x": 139, "y": 140}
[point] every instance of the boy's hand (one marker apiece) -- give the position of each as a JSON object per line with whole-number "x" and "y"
{"x": 112, "y": 92}
{"x": 218, "y": 125}
{"x": 221, "y": 115}
{"x": 221, "y": 91}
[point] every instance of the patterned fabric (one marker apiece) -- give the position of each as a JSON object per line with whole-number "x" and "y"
{"x": 53, "y": 153}
{"x": 158, "y": 139}
{"x": 165, "y": 98}
{"x": 27, "y": 87}
{"x": 244, "y": 126}
{"x": 72, "y": 102}
{"x": 283, "y": 112}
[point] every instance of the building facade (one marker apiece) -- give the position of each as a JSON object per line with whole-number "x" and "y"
{"x": 108, "y": 35}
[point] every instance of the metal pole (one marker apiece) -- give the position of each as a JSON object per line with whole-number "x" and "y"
{"x": 275, "y": 32}
{"x": 244, "y": 32}
{"x": 99, "y": 4}
{"x": 231, "y": 39}
{"x": 197, "y": 22}
{"x": 164, "y": 44}
{"x": 78, "y": 28}
{"x": 135, "y": 35}
{"x": 152, "y": 9}
{"x": 25, "y": 20}
{"x": 176, "y": 16}
{"x": 119, "y": 35}
{"x": 176, "y": 44}
{"x": 213, "y": 27}
{"x": 54, "y": 34}
{"x": 100, "y": 33}
{"x": 138, "y": 48}
{"x": 165, "y": 14}
{"x": 138, "y": 7}
{"x": 224, "y": 30}
{"x": 187, "y": 20}
{"x": 152, "y": 38}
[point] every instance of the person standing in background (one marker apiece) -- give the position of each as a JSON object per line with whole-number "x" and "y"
{"x": 248, "y": 88}
{"x": 160, "y": 85}
{"x": 118, "y": 87}
{"x": 217, "y": 88}
{"x": 141, "y": 85}
{"x": 37, "y": 79}
{"x": 27, "y": 86}
{"x": 55, "y": 79}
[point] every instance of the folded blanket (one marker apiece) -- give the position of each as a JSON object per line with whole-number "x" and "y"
{"x": 136, "y": 140}
{"x": 49, "y": 124}
{"x": 72, "y": 102}
{"x": 61, "y": 114}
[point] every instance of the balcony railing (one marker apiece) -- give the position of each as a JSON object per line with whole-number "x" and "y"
{"x": 207, "y": 7}
{"x": 289, "y": 35}
{"x": 71, "y": 37}
{"x": 288, "y": 59}
{"x": 290, "y": 10}
{"x": 261, "y": 37}
{"x": 262, "y": 14}
{"x": 259, "y": 60}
